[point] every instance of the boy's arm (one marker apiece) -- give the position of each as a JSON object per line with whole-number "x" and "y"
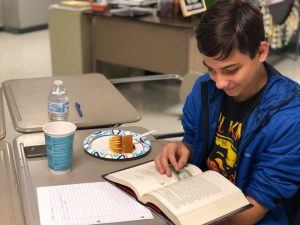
{"x": 250, "y": 216}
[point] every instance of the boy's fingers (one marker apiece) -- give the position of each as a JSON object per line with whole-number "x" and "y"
{"x": 165, "y": 165}
{"x": 168, "y": 155}
{"x": 173, "y": 160}
{"x": 158, "y": 165}
{"x": 183, "y": 156}
{"x": 182, "y": 161}
{"x": 162, "y": 161}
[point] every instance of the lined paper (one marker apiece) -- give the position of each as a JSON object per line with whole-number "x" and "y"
{"x": 87, "y": 203}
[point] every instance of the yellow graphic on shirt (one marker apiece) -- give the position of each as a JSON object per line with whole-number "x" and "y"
{"x": 228, "y": 157}
{"x": 223, "y": 159}
{"x": 235, "y": 130}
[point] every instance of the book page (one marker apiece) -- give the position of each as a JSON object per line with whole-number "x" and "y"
{"x": 201, "y": 195}
{"x": 145, "y": 178}
{"x": 87, "y": 203}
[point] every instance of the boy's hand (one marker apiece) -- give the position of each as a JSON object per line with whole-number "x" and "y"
{"x": 175, "y": 153}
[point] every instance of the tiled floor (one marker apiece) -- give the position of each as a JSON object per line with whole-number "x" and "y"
{"x": 24, "y": 55}
{"x": 28, "y": 55}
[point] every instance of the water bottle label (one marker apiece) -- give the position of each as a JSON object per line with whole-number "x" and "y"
{"x": 58, "y": 107}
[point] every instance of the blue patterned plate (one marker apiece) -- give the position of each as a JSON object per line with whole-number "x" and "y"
{"x": 96, "y": 145}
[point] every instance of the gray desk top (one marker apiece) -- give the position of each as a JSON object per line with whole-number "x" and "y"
{"x": 2, "y": 122}
{"x": 10, "y": 205}
{"x": 101, "y": 103}
{"x": 33, "y": 173}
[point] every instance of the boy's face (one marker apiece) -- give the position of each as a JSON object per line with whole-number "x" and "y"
{"x": 238, "y": 75}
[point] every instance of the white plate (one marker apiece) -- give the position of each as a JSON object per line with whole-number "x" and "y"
{"x": 96, "y": 145}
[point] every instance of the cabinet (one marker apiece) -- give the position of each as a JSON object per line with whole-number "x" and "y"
{"x": 70, "y": 41}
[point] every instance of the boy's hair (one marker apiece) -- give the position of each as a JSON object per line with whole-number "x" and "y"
{"x": 229, "y": 25}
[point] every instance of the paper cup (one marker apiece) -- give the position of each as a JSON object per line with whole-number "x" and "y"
{"x": 59, "y": 138}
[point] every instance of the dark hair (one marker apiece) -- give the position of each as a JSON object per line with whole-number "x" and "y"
{"x": 229, "y": 25}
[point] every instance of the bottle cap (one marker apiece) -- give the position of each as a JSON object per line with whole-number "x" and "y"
{"x": 58, "y": 82}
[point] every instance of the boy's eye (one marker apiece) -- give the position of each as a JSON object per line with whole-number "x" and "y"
{"x": 230, "y": 71}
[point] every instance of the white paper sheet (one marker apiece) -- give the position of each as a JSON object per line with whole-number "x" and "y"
{"x": 87, "y": 203}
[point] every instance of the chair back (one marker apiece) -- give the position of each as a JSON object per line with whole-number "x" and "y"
{"x": 187, "y": 84}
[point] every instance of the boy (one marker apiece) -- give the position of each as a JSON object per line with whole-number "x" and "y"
{"x": 242, "y": 118}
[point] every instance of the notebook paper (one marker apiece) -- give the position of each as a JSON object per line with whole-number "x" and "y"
{"x": 87, "y": 203}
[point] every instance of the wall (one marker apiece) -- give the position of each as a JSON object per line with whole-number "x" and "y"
{"x": 10, "y": 15}
{"x": 33, "y": 12}
{"x": 20, "y": 14}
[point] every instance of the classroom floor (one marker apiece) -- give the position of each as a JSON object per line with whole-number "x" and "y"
{"x": 28, "y": 55}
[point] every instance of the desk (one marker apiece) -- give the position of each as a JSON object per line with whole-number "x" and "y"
{"x": 101, "y": 103}
{"x": 10, "y": 205}
{"x": 162, "y": 45}
{"x": 2, "y": 122}
{"x": 34, "y": 172}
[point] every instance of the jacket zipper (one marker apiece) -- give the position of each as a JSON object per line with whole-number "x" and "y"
{"x": 248, "y": 141}
{"x": 205, "y": 122}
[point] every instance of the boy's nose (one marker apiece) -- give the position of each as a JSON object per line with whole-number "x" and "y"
{"x": 221, "y": 81}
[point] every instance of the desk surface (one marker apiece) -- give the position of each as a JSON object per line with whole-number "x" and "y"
{"x": 10, "y": 205}
{"x": 33, "y": 173}
{"x": 101, "y": 103}
{"x": 2, "y": 122}
{"x": 180, "y": 22}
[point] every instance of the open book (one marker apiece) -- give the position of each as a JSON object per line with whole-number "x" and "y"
{"x": 189, "y": 197}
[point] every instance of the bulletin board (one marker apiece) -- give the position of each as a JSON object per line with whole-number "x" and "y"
{"x": 191, "y": 7}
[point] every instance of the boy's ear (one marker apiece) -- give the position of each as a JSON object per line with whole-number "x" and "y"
{"x": 263, "y": 51}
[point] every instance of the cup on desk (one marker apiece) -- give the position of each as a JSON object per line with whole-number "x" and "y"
{"x": 59, "y": 137}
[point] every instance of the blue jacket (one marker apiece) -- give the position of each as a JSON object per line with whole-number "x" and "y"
{"x": 268, "y": 161}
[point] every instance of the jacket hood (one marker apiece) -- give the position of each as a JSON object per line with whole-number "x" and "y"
{"x": 280, "y": 93}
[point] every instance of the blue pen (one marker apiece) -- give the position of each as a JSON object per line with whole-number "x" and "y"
{"x": 77, "y": 105}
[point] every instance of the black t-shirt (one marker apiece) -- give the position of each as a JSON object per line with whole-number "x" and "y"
{"x": 223, "y": 153}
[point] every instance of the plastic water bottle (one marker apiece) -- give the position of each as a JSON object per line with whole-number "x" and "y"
{"x": 58, "y": 103}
